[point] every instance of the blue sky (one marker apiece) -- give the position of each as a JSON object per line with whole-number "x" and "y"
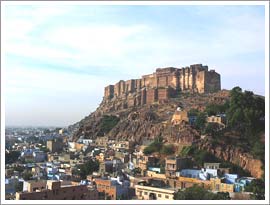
{"x": 59, "y": 58}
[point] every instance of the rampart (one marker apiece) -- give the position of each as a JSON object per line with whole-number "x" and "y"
{"x": 164, "y": 84}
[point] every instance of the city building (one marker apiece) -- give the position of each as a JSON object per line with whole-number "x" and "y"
{"x": 154, "y": 189}
{"x": 53, "y": 190}
{"x": 219, "y": 119}
{"x": 219, "y": 186}
{"x": 174, "y": 164}
{"x": 179, "y": 116}
{"x": 55, "y": 145}
{"x": 113, "y": 188}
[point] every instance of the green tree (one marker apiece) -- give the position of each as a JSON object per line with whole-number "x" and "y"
{"x": 136, "y": 171}
{"x": 12, "y": 156}
{"x": 257, "y": 187}
{"x": 155, "y": 146}
{"x": 258, "y": 150}
{"x": 200, "y": 121}
{"x": 220, "y": 196}
{"x": 167, "y": 149}
{"x": 107, "y": 123}
{"x": 198, "y": 193}
{"x": 19, "y": 169}
{"x": 212, "y": 129}
{"x": 193, "y": 112}
{"x": 185, "y": 151}
{"x": 87, "y": 168}
{"x": 18, "y": 186}
{"x": 214, "y": 109}
{"x": 246, "y": 112}
{"x": 44, "y": 149}
{"x": 27, "y": 175}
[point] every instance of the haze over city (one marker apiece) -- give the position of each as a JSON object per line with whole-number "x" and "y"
{"x": 58, "y": 59}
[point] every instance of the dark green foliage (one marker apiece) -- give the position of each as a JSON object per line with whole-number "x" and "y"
{"x": 198, "y": 193}
{"x": 185, "y": 151}
{"x": 167, "y": 149}
{"x": 154, "y": 146}
{"x": 221, "y": 196}
{"x": 257, "y": 187}
{"x": 19, "y": 169}
{"x": 162, "y": 169}
{"x": 235, "y": 168}
{"x": 193, "y": 112}
{"x": 44, "y": 149}
{"x": 246, "y": 112}
{"x": 12, "y": 156}
{"x": 200, "y": 121}
{"x": 212, "y": 129}
{"x": 202, "y": 156}
{"x": 88, "y": 168}
{"x": 27, "y": 175}
{"x": 18, "y": 186}
{"x": 258, "y": 150}
{"x": 149, "y": 150}
{"x": 158, "y": 146}
{"x": 214, "y": 109}
{"x": 136, "y": 171}
{"x": 107, "y": 123}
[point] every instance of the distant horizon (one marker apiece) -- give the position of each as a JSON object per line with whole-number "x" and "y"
{"x": 66, "y": 126}
{"x": 60, "y": 58}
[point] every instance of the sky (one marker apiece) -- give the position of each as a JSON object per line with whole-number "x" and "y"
{"x": 59, "y": 58}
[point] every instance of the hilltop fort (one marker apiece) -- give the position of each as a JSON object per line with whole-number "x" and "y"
{"x": 163, "y": 84}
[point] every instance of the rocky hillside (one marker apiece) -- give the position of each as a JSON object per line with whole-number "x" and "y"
{"x": 147, "y": 121}
{"x": 153, "y": 120}
{"x": 235, "y": 155}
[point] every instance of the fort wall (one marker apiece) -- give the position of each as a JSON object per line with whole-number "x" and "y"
{"x": 164, "y": 84}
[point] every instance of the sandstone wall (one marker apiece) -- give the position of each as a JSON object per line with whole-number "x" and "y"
{"x": 143, "y": 96}
{"x": 109, "y": 91}
{"x": 195, "y": 78}
{"x": 163, "y": 93}
{"x": 212, "y": 81}
{"x": 151, "y": 95}
{"x": 200, "y": 81}
{"x": 130, "y": 86}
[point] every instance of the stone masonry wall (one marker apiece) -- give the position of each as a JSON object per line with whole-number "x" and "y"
{"x": 165, "y": 83}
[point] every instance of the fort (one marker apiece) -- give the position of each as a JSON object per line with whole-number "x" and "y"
{"x": 165, "y": 83}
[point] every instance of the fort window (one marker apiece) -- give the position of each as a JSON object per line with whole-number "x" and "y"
{"x": 166, "y": 196}
{"x": 159, "y": 195}
{"x": 217, "y": 187}
{"x": 145, "y": 193}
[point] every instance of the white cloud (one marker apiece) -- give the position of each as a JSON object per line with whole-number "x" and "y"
{"x": 131, "y": 50}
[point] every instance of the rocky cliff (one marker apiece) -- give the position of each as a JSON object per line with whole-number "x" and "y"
{"x": 149, "y": 121}
{"x": 235, "y": 155}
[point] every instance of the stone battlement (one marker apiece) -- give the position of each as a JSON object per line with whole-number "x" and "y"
{"x": 165, "y": 83}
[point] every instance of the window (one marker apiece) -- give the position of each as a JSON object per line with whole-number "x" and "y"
{"x": 166, "y": 196}
{"x": 217, "y": 186}
{"x": 159, "y": 195}
{"x": 145, "y": 193}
